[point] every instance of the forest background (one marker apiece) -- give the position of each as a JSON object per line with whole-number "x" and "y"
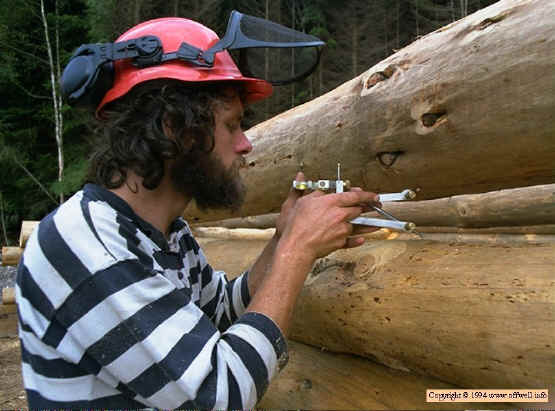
{"x": 44, "y": 144}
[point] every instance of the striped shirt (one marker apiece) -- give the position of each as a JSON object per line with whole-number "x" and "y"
{"x": 114, "y": 315}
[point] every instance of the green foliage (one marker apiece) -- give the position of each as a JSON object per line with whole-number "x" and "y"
{"x": 28, "y": 153}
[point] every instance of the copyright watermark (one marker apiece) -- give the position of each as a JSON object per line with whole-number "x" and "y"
{"x": 487, "y": 395}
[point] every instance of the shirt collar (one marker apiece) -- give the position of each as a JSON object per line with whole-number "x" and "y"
{"x": 96, "y": 192}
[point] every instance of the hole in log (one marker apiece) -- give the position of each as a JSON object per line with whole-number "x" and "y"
{"x": 378, "y": 76}
{"x": 388, "y": 158}
{"x": 430, "y": 119}
{"x": 252, "y": 163}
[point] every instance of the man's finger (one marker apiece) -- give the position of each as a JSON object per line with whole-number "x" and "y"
{"x": 295, "y": 194}
{"x": 352, "y": 198}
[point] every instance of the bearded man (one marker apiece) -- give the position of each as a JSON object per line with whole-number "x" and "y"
{"x": 118, "y": 305}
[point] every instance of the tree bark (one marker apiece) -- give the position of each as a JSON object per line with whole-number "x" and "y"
{"x": 465, "y": 109}
{"x": 474, "y": 316}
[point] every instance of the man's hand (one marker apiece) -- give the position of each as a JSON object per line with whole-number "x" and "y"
{"x": 288, "y": 205}
{"x": 318, "y": 223}
{"x": 308, "y": 227}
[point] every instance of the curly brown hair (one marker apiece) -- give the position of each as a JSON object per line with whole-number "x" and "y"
{"x": 131, "y": 136}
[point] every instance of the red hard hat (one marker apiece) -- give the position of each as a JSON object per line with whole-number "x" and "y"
{"x": 172, "y": 31}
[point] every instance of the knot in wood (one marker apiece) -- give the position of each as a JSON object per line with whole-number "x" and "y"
{"x": 388, "y": 158}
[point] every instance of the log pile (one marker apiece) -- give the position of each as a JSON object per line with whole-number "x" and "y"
{"x": 464, "y": 115}
{"x": 10, "y": 257}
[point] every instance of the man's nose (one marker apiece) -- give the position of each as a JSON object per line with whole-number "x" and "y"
{"x": 243, "y": 145}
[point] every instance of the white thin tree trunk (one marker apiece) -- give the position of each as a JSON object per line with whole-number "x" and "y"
{"x": 56, "y": 98}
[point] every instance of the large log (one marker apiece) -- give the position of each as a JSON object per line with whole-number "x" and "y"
{"x": 472, "y": 315}
{"x": 321, "y": 380}
{"x": 475, "y": 316}
{"x": 465, "y": 109}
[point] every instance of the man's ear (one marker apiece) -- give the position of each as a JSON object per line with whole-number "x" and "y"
{"x": 167, "y": 126}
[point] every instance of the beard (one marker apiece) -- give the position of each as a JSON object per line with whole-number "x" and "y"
{"x": 204, "y": 178}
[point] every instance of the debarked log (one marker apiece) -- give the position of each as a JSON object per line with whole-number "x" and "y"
{"x": 223, "y": 233}
{"x": 523, "y": 206}
{"x": 465, "y": 109}
{"x": 27, "y": 228}
{"x": 11, "y": 255}
{"x": 472, "y": 315}
{"x": 320, "y": 380}
{"x": 8, "y": 295}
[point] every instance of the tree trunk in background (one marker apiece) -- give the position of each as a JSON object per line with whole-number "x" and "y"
{"x": 466, "y": 109}
{"x": 56, "y": 97}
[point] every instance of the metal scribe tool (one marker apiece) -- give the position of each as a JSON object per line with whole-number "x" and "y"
{"x": 342, "y": 185}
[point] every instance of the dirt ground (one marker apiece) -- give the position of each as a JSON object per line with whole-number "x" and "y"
{"x": 12, "y": 394}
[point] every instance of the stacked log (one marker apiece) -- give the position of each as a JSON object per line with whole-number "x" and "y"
{"x": 11, "y": 257}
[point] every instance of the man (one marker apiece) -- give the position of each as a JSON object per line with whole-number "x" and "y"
{"x": 118, "y": 306}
